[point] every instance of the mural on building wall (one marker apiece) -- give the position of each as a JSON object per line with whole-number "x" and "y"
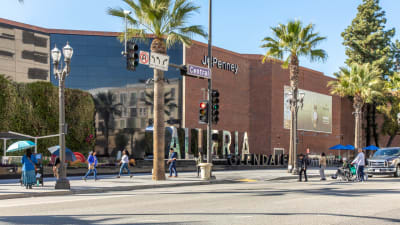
{"x": 316, "y": 114}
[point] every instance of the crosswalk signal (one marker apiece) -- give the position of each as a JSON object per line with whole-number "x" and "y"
{"x": 215, "y": 106}
{"x": 203, "y": 112}
{"x": 132, "y": 57}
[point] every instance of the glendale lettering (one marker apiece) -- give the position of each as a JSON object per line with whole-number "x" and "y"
{"x": 234, "y": 68}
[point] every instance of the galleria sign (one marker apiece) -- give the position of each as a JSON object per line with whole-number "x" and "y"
{"x": 234, "y": 68}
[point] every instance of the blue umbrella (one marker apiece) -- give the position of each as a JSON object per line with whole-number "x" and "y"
{"x": 349, "y": 147}
{"x": 69, "y": 155}
{"x": 371, "y": 147}
{"x": 20, "y": 145}
{"x": 337, "y": 147}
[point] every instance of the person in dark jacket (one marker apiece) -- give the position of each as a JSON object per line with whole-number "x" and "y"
{"x": 303, "y": 164}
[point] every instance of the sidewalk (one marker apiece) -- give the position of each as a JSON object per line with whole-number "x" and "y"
{"x": 12, "y": 189}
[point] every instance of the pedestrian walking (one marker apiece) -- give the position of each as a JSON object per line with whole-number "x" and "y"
{"x": 92, "y": 163}
{"x": 322, "y": 166}
{"x": 359, "y": 161}
{"x": 172, "y": 163}
{"x": 124, "y": 164}
{"x": 28, "y": 169}
{"x": 303, "y": 164}
{"x": 198, "y": 162}
{"x": 56, "y": 166}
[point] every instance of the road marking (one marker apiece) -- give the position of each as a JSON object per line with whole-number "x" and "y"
{"x": 247, "y": 180}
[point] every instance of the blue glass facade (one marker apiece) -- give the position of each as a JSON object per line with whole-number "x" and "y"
{"x": 97, "y": 62}
{"x": 97, "y": 66}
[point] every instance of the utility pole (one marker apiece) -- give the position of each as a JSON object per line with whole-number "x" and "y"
{"x": 209, "y": 126}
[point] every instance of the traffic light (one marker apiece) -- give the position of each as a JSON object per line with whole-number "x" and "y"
{"x": 132, "y": 57}
{"x": 183, "y": 70}
{"x": 215, "y": 106}
{"x": 203, "y": 112}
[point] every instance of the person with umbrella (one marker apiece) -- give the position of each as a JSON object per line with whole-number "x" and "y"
{"x": 28, "y": 169}
{"x": 92, "y": 163}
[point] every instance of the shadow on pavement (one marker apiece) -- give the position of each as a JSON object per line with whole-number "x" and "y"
{"x": 71, "y": 219}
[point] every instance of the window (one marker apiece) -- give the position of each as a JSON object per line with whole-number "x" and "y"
{"x": 122, "y": 98}
{"x": 172, "y": 92}
{"x": 122, "y": 124}
{"x": 142, "y": 95}
{"x": 132, "y": 123}
{"x": 133, "y": 100}
{"x": 143, "y": 123}
{"x": 133, "y": 112}
{"x": 124, "y": 112}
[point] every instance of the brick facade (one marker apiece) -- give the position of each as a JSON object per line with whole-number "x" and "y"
{"x": 252, "y": 101}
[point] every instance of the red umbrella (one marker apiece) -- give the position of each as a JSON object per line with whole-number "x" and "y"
{"x": 80, "y": 157}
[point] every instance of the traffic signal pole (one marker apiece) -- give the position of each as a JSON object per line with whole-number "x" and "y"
{"x": 209, "y": 125}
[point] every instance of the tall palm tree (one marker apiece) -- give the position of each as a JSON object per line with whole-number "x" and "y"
{"x": 106, "y": 107}
{"x": 362, "y": 83}
{"x": 167, "y": 21}
{"x": 293, "y": 41}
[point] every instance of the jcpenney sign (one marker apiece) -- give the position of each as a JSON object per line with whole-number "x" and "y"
{"x": 234, "y": 68}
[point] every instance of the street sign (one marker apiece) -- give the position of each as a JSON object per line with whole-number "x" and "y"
{"x": 159, "y": 61}
{"x": 144, "y": 57}
{"x": 199, "y": 71}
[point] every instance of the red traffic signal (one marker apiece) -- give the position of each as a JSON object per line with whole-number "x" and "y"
{"x": 203, "y": 105}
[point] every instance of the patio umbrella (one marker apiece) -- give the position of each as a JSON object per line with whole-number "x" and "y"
{"x": 69, "y": 155}
{"x": 20, "y": 145}
{"x": 349, "y": 147}
{"x": 371, "y": 147}
{"x": 337, "y": 147}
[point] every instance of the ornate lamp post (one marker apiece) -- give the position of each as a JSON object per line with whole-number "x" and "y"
{"x": 61, "y": 73}
{"x": 296, "y": 103}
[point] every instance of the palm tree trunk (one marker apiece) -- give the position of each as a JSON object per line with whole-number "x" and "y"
{"x": 389, "y": 143}
{"x": 294, "y": 81}
{"x": 358, "y": 122}
{"x": 106, "y": 137}
{"x": 158, "y": 126}
{"x": 375, "y": 125}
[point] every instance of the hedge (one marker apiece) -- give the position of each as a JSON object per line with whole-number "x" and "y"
{"x": 32, "y": 108}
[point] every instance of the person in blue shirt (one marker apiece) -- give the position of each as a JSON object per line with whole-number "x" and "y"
{"x": 92, "y": 163}
{"x": 28, "y": 169}
{"x": 172, "y": 162}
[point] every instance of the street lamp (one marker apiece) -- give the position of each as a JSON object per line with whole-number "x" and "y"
{"x": 295, "y": 103}
{"x": 60, "y": 74}
{"x": 126, "y": 14}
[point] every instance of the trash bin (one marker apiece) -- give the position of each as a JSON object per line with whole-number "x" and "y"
{"x": 205, "y": 169}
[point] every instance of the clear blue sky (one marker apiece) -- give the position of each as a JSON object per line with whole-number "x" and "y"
{"x": 237, "y": 25}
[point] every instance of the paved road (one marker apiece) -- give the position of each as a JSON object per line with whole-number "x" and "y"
{"x": 260, "y": 202}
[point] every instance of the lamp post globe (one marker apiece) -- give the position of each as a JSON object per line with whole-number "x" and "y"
{"x": 68, "y": 52}
{"x": 55, "y": 55}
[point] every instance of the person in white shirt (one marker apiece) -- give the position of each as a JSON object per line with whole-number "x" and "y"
{"x": 360, "y": 162}
{"x": 124, "y": 164}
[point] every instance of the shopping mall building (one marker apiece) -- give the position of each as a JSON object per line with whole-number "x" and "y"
{"x": 253, "y": 96}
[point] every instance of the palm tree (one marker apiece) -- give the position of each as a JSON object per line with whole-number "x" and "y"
{"x": 362, "y": 83}
{"x": 166, "y": 20}
{"x": 168, "y": 101}
{"x": 107, "y": 108}
{"x": 295, "y": 41}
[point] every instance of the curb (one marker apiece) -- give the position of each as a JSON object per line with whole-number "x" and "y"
{"x": 110, "y": 189}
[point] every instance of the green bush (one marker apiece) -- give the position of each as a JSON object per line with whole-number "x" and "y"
{"x": 32, "y": 108}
